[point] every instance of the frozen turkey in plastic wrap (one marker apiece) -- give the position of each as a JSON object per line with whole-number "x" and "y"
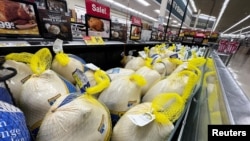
{"x": 151, "y": 76}
{"x": 76, "y": 118}
{"x": 170, "y": 66}
{"x": 38, "y": 94}
{"x": 181, "y": 83}
{"x": 135, "y": 63}
{"x": 15, "y": 83}
{"x": 122, "y": 94}
{"x": 66, "y": 64}
{"x": 119, "y": 72}
{"x": 150, "y": 121}
{"x": 12, "y": 124}
{"x": 160, "y": 68}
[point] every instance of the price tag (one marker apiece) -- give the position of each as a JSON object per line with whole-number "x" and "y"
{"x": 175, "y": 55}
{"x": 141, "y": 119}
{"x": 92, "y": 66}
{"x": 143, "y": 54}
{"x": 81, "y": 80}
{"x": 58, "y": 46}
{"x": 7, "y": 25}
{"x": 98, "y": 40}
{"x": 93, "y": 40}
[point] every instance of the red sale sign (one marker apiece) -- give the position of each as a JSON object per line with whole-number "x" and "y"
{"x": 97, "y": 9}
{"x": 135, "y": 20}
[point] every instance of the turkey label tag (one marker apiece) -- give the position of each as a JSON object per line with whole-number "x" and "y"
{"x": 92, "y": 67}
{"x": 58, "y": 46}
{"x": 142, "y": 54}
{"x": 81, "y": 80}
{"x": 141, "y": 119}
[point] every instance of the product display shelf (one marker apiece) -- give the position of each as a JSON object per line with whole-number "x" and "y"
{"x": 108, "y": 56}
{"x": 220, "y": 101}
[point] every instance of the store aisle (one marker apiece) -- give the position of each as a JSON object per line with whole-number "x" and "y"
{"x": 239, "y": 66}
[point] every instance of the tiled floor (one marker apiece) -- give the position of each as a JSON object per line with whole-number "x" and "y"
{"x": 239, "y": 66}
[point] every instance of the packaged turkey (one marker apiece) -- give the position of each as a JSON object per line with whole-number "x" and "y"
{"x": 119, "y": 72}
{"x": 151, "y": 76}
{"x": 23, "y": 69}
{"x": 76, "y": 118}
{"x": 182, "y": 83}
{"x": 123, "y": 94}
{"x": 12, "y": 123}
{"x": 150, "y": 121}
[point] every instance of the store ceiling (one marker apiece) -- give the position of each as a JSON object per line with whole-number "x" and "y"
{"x": 235, "y": 11}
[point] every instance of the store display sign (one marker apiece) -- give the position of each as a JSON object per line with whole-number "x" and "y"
{"x": 118, "y": 32}
{"x": 55, "y": 25}
{"x": 98, "y": 26}
{"x": 97, "y": 9}
{"x": 78, "y": 30}
{"x": 18, "y": 19}
{"x": 178, "y": 7}
{"x": 202, "y": 23}
{"x": 135, "y": 32}
{"x": 136, "y": 21}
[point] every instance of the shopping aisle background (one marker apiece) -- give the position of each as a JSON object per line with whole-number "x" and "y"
{"x": 239, "y": 66}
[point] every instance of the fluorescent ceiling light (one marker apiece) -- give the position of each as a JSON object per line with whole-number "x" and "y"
{"x": 174, "y": 21}
{"x": 245, "y": 32}
{"x": 168, "y": 17}
{"x": 224, "y": 6}
{"x": 193, "y": 6}
{"x": 133, "y": 11}
{"x": 143, "y": 2}
{"x": 204, "y": 16}
{"x": 237, "y": 23}
{"x": 157, "y": 11}
{"x": 240, "y": 29}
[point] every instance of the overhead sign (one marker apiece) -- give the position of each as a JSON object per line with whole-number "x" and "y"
{"x": 136, "y": 20}
{"x": 97, "y": 9}
{"x": 178, "y": 7}
{"x": 202, "y": 23}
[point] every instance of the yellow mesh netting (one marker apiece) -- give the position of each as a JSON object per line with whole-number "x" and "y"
{"x": 167, "y": 107}
{"x": 198, "y": 61}
{"x": 102, "y": 80}
{"x": 175, "y": 61}
{"x": 20, "y": 57}
{"x": 41, "y": 61}
{"x": 62, "y": 58}
{"x": 192, "y": 80}
{"x": 138, "y": 79}
{"x": 148, "y": 62}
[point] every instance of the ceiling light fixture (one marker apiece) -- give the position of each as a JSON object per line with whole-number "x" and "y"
{"x": 240, "y": 29}
{"x": 143, "y": 2}
{"x": 237, "y": 23}
{"x": 193, "y": 6}
{"x": 168, "y": 17}
{"x": 245, "y": 32}
{"x": 224, "y": 6}
{"x": 174, "y": 21}
{"x": 130, "y": 9}
{"x": 157, "y": 11}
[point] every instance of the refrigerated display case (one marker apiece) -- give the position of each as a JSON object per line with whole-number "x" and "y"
{"x": 219, "y": 99}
